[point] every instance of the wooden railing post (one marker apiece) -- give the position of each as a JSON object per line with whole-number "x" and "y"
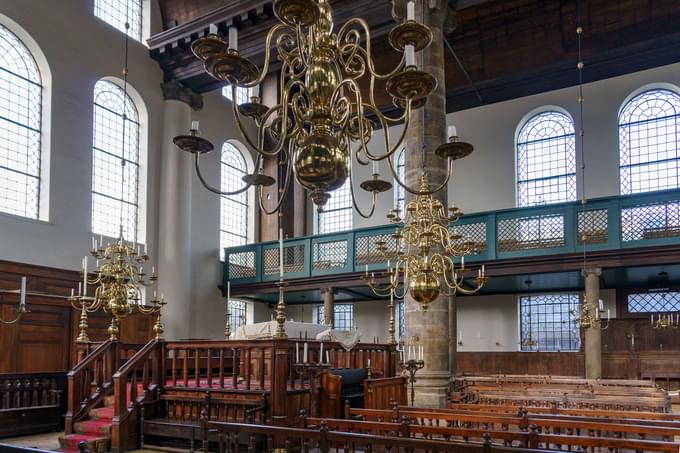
{"x": 279, "y": 390}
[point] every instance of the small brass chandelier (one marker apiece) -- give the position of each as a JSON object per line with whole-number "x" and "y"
{"x": 665, "y": 321}
{"x": 590, "y": 315}
{"x": 425, "y": 252}
{"x": 322, "y": 121}
{"x": 119, "y": 278}
{"x": 528, "y": 341}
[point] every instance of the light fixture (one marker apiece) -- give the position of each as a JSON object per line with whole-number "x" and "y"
{"x": 529, "y": 341}
{"x": 589, "y": 315}
{"x": 425, "y": 251}
{"x": 119, "y": 279}
{"x": 21, "y": 309}
{"x": 322, "y": 121}
{"x": 119, "y": 275}
{"x": 665, "y": 321}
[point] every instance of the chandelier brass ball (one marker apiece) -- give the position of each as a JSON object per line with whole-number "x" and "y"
{"x": 321, "y": 163}
{"x": 424, "y": 288}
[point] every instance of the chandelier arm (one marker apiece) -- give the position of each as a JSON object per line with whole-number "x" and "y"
{"x": 15, "y": 320}
{"x": 211, "y": 188}
{"x": 265, "y": 66}
{"x": 246, "y": 137}
{"x": 354, "y": 200}
{"x": 283, "y": 193}
{"x": 421, "y": 192}
{"x": 367, "y": 52}
{"x": 389, "y": 150}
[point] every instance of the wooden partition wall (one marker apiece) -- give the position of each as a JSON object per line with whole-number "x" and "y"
{"x": 43, "y": 340}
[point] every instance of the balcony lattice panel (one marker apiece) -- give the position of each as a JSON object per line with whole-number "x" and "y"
{"x": 329, "y": 255}
{"x": 293, "y": 259}
{"x": 242, "y": 265}
{"x": 531, "y": 233}
{"x": 366, "y": 248}
{"x": 656, "y": 221}
{"x": 592, "y": 226}
{"x": 472, "y": 233}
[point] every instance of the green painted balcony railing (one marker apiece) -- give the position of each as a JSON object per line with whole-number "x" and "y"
{"x": 608, "y": 223}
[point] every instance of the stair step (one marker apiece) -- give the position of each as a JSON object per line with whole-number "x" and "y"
{"x": 93, "y": 428}
{"x": 101, "y": 413}
{"x": 96, "y": 444}
{"x": 108, "y": 400}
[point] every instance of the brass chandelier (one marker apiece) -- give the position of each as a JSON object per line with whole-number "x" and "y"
{"x": 425, "y": 252}
{"x": 590, "y": 315}
{"x": 322, "y": 121}
{"x": 119, "y": 279}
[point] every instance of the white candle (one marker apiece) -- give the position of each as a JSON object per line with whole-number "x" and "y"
{"x": 297, "y": 352}
{"x": 401, "y": 354}
{"x": 328, "y": 357}
{"x": 212, "y": 29}
{"x": 22, "y": 298}
{"x": 72, "y": 292}
{"x": 305, "y": 352}
{"x": 255, "y": 91}
{"x": 600, "y": 304}
{"x": 101, "y": 240}
{"x": 228, "y": 291}
{"x": 366, "y": 267}
{"x": 233, "y": 38}
{"x": 194, "y": 125}
{"x": 321, "y": 353}
{"x": 369, "y": 362}
{"x": 462, "y": 262}
{"x": 482, "y": 269}
{"x": 607, "y": 314}
{"x": 281, "y": 252}
{"x": 85, "y": 274}
{"x": 376, "y": 168}
{"x": 452, "y": 131}
{"x": 153, "y": 270}
{"x": 94, "y": 243}
{"x": 652, "y": 319}
{"x": 410, "y": 11}
{"x": 80, "y": 288}
{"x": 410, "y": 55}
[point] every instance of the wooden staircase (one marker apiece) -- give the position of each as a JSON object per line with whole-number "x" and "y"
{"x": 95, "y": 430}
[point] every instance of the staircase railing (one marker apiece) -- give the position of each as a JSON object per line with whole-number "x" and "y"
{"x": 135, "y": 382}
{"x": 89, "y": 381}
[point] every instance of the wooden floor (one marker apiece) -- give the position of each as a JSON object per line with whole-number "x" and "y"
{"x": 49, "y": 441}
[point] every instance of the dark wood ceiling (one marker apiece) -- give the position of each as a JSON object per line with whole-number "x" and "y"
{"x": 508, "y": 48}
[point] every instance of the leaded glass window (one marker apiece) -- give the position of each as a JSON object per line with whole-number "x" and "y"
{"x": 399, "y": 192}
{"x": 546, "y": 160}
{"x": 234, "y": 208}
{"x": 546, "y": 322}
{"x": 343, "y": 315}
{"x": 20, "y": 128}
{"x": 241, "y": 94}
{"x": 337, "y": 214}
{"x": 237, "y": 314}
{"x": 117, "y": 12}
{"x": 115, "y": 187}
{"x": 655, "y": 302}
{"x": 649, "y": 142}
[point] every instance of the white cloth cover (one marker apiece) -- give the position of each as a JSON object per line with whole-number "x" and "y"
{"x": 347, "y": 338}
{"x": 266, "y": 330}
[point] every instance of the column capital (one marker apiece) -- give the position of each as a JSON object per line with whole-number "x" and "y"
{"x": 176, "y": 91}
{"x": 328, "y": 289}
{"x": 588, "y": 271}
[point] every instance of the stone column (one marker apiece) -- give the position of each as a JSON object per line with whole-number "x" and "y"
{"x": 328, "y": 307}
{"x": 425, "y": 133}
{"x": 174, "y": 223}
{"x": 593, "y": 336}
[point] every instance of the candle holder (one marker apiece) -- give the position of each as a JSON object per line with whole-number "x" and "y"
{"x": 21, "y": 309}
{"x": 312, "y": 371}
{"x": 281, "y": 313}
{"x": 411, "y": 367}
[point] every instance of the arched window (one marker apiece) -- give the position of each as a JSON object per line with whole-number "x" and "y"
{"x": 117, "y": 12}
{"x": 115, "y": 188}
{"x": 649, "y": 142}
{"x": 399, "y": 192}
{"x": 546, "y": 160}
{"x": 20, "y": 128}
{"x": 233, "y": 209}
{"x": 337, "y": 214}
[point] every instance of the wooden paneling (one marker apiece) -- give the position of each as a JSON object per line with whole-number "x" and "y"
{"x": 43, "y": 340}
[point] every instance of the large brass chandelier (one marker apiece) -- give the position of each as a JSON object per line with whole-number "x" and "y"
{"x": 424, "y": 252}
{"x": 322, "y": 121}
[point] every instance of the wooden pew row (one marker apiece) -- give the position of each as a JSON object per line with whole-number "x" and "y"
{"x": 553, "y": 388}
{"x": 554, "y": 410}
{"x": 533, "y": 438}
{"x": 601, "y": 427}
{"x": 521, "y": 378}
{"x": 576, "y": 401}
{"x": 223, "y": 437}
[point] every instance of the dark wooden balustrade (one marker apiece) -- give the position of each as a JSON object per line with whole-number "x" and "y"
{"x": 31, "y": 403}
{"x": 134, "y": 383}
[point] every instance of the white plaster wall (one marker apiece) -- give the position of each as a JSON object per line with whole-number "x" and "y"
{"x": 80, "y": 49}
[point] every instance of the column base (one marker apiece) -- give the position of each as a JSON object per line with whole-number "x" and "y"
{"x": 431, "y": 390}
